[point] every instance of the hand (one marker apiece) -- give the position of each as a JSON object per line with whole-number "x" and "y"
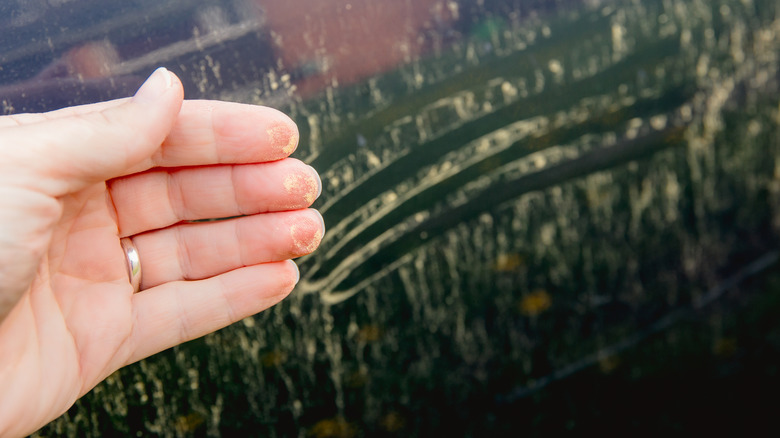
{"x": 75, "y": 181}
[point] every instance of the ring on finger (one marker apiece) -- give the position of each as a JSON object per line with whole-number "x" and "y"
{"x": 133, "y": 263}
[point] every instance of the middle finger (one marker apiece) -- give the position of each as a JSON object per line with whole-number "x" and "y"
{"x": 163, "y": 197}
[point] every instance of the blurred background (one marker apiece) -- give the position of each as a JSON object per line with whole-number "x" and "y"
{"x": 544, "y": 216}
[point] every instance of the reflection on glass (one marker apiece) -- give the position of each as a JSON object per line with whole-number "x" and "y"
{"x": 517, "y": 194}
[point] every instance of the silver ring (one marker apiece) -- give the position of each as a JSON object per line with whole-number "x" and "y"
{"x": 133, "y": 263}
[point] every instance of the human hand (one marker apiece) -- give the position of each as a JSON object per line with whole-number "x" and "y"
{"x": 75, "y": 181}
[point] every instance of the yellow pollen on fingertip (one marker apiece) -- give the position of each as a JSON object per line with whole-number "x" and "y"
{"x": 304, "y": 241}
{"x": 284, "y": 137}
{"x": 292, "y": 143}
{"x": 298, "y": 183}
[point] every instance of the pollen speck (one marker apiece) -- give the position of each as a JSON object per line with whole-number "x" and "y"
{"x": 283, "y": 136}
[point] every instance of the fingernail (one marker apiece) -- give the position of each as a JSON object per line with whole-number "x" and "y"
{"x": 297, "y": 271}
{"x": 319, "y": 182}
{"x": 322, "y": 221}
{"x": 155, "y": 86}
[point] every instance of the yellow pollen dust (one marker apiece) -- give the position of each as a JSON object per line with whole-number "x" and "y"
{"x": 297, "y": 183}
{"x": 284, "y": 137}
{"x": 304, "y": 245}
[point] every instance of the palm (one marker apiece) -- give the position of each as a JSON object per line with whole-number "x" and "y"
{"x": 76, "y": 318}
{"x": 87, "y": 290}
{"x": 78, "y": 310}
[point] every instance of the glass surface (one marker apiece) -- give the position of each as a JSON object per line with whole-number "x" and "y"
{"x": 543, "y": 216}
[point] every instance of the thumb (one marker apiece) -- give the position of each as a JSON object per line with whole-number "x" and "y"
{"x": 64, "y": 154}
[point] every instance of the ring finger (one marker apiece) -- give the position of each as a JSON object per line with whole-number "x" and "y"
{"x": 202, "y": 250}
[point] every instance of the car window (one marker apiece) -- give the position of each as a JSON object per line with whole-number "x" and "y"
{"x": 535, "y": 209}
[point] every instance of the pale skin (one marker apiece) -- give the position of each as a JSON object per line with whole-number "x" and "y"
{"x": 75, "y": 181}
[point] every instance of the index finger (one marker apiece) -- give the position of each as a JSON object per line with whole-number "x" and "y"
{"x": 206, "y": 132}
{"x": 214, "y": 132}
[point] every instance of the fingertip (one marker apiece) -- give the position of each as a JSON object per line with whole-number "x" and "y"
{"x": 305, "y": 184}
{"x": 284, "y": 135}
{"x": 288, "y": 279}
{"x": 307, "y": 232}
{"x": 285, "y": 280}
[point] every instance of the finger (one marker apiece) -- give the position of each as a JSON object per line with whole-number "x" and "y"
{"x": 205, "y": 132}
{"x": 213, "y": 132}
{"x": 177, "y": 312}
{"x": 65, "y": 154}
{"x": 160, "y": 198}
{"x": 202, "y": 250}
